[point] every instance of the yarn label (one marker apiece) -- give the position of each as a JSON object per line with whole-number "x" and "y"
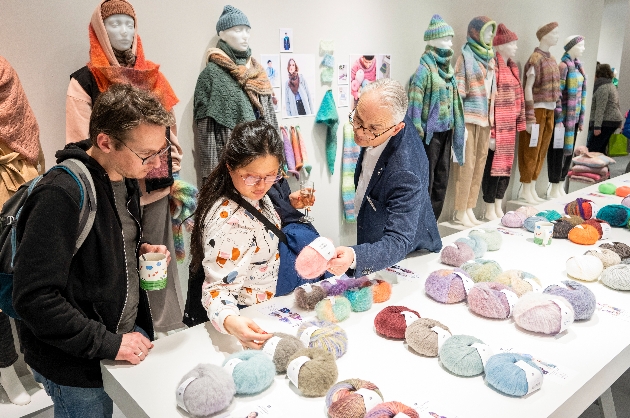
{"x": 306, "y": 335}
{"x": 485, "y": 352}
{"x": 410, "y": 317}
{"x": 293, "y": 369}
{"x": 512, "y": 298}
{"x": 331, "y": 280}
{"x": 566, "y": 315}
{"x": 332, "y": 300}
{"x": 180, "y": 392}
{"x": 606, "y": 229}
{"x": 442, "y": 334}
{"x": 271, "y": 345}
{"x": 535, "y": 286}
{"x": 307, "y": 287}
{"x": 370, "y": 398}
{"x": 558, "y": 137}
{"x": 324, "y": 247}
{"x": 533, "y": 140}
{"x": 532, "y": 374}
{"x": 466, "y": 281}
{"x": 230, "y": 365}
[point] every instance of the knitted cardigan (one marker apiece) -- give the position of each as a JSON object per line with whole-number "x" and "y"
{"x": 509, "y": 115}
{"x": 572, "y": 105}
{"x": 547, "y": 81}
{"x": 470, "y": 76}
{"x": 605, "y": 107}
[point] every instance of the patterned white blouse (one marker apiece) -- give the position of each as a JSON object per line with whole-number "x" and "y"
{"x": 241, "y": 259}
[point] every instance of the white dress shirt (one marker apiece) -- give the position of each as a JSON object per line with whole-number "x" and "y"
{"x": 370, "y": 158}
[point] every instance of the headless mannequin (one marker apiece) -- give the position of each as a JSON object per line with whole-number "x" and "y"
{"x": 467, "y": 217}
{"x": 528, "y": 191}
{"x": 556, "y": 189}
{"x": 495, "y": 210}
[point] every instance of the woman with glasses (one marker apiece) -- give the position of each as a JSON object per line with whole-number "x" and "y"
{"x": 238, "y": 254}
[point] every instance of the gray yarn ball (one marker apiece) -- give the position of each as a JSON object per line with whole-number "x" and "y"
{"x": 608, "y": 257}
{"x": 578, "y": 295}
{"x": 318, "y": 374}
{"x": 617, "y": 277}
{"x": 422, "y": 338}
{"x": 458, "y": 357}
{"x": 307, "y": 300}
{"x": 211, "y": 392}
{"x": 287, "y": 346}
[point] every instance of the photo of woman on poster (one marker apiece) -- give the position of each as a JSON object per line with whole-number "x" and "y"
{"x": 297, "y": 96}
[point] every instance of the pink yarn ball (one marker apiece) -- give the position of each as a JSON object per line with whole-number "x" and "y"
{"x": 487, "y": 300}
{"x": 513, "y": 219}
{"x": 537, "y": 312}
{"x": 310, "y": 264}
{"x": 527, "y": 211}
{"x": 446, "y": 286}
{"x": 456, "y": 254}
{"x": 626, "y": 201}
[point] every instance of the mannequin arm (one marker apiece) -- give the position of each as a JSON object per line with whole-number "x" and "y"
{"x": 78, "y": 111}
{"x": 528, "y": 91}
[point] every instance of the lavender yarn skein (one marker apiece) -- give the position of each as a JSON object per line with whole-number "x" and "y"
{"x": 446, "y": 286}
{"x": 578, "y": 295}
{"x": 211, "y": 391}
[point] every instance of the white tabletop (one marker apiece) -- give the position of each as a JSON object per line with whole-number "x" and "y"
{"x": 592, "y": 353}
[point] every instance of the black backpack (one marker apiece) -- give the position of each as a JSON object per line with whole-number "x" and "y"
{"x": 11, "y": 212}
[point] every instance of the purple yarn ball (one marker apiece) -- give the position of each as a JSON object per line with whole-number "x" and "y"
{"x": 337, "y": 288}
{"x": 446, "y": 286}
{"x": 578, "y": 295}
{"x": 456, "y": 254}
{"x": 513, "y": 219}
{"x": 487, "y": 300}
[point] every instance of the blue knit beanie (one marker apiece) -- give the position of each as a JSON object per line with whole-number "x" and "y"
{"x": 231, "y": 17}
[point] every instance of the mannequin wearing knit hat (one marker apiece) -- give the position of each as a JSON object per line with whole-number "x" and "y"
{"x": 436, "y": 108}
{"x": 476, "y": 82}
{"x": 117, "y": 56}
{"x": 509, "y": 118}
{"x": 542, "y": 97}
{"x": 570, "y": 112}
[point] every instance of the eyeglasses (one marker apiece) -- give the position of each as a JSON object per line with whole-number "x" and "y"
{"x": 367, "y": 132}
{"x": 161, "y": 152}
{"x": 254, "y": 180}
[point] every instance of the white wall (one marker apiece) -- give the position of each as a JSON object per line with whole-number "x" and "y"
{"x": 614, "y": 18}
{"x": 47, "y": 41}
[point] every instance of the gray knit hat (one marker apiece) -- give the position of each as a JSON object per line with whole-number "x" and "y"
{"x": 231, "y": 17}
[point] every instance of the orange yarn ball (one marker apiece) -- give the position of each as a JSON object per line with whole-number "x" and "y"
{"x": 381, "y": 291}
{"x": 584, "y": 234}
{"x": 623, "y": 191}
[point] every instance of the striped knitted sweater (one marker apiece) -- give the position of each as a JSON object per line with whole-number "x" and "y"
{"x": 509, "y": 115}
{"x": 570, "y": 109}
{"x": 547, "y": 81}
{"x": 470, "y": 76}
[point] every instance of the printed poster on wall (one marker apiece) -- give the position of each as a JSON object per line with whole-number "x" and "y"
{"x": 299, "y": 73}
{"x": 286, "y": 40}
{"x": 343, "y": 95}
{"x": 365, "y": 69}
{"x": 271, "y": 64}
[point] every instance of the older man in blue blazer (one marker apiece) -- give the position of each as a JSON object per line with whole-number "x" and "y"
{"x": 395, "y": 216}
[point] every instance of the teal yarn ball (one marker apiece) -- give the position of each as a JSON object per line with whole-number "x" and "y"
{"x": 492, "y": 237}
{"x": 477, "y": 244}
{"x": 505, "y": 376}
{"x": 550, "y": 215}
{"x": 360, "y": 297}
{"x": 458, "y": 357}
{"x": 530, "y": 223}
{"x": 254, "y": 373}
{"x": 615, "y": 215}
{"x": 337, "y": 312}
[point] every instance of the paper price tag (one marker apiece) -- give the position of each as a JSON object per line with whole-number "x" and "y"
{"x": 442, "y": 334}
{"x": 271, "y": 345}
{"x": 532, "y": 374}
{"x": 558, "y": 136}
{"x": 452, "y": 244}
{"x": 307, "y": 334}
{"x": 332, "y": 300}
{"x": 332, "y": 280}
{"x": 293, "y": 369}
{"x": 180, "y": 392}
{"x": 370, "y": 398}
{"x": 307, "y": 287}
{"x": 512, "y": 298}
{"x": 324, "y": 247}
{"x": 606, "y": 229}
{"x": 485, "y": 352}
{"x": 230, "y": 365}
{"x": 535, "y": 286}
{"x": 466, "y": 281}
{"x": 410, "y": 317}
{"x": 533, "y": 140}
{"x": 566, "y": 316}
{"x": 594, "y": 208}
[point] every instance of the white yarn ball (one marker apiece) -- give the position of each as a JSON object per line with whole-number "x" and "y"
{"x": 584, "y": 267}
{"x": 617, "y": 277}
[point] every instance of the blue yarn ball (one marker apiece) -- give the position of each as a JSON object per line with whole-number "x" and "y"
{"x": 360, "y": 298}
{"x": 615, "y": 215}
{"x": 530, "y": 223}
{"x": 505, "y": 376}
{"x": 478, "y": 245}
{"x": 254, "y": 374}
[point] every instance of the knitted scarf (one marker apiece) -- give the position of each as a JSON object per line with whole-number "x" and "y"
{"x": 294, "y": 82}
{"x": 288, "y": 152}
{"x": 478, "y": 59}
{"x": 438, "y": 61}
{"x": 568, "y": 113}
{"x": 327, "y": 114}
{"x": 144, "y": 74}
{"x": 297, "y": 151}
{"x": 18, "y": 127}
{"x": 348, "y": 166}
{"x": 125, "y": 58}
{"x": 305, "y": 162}
{"x": 182, "y": 203}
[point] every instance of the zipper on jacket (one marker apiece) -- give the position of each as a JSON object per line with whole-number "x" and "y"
{"x": 124, "y": 255}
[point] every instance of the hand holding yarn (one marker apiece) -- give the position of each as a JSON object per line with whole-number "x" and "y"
{"x": 311, "y": 262}
{"x": 246, "y": 331}
{"x": 204, "y": 390}
{"x": 340, "y": 263}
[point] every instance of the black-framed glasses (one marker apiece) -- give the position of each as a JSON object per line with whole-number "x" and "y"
{"x": 254, "y": 180}
{"x": 367, "y": 132}
{"x": 161, "y": 152}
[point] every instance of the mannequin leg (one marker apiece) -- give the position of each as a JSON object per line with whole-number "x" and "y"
{"x": 526, "y": 193}
{"x": 472, "y": 217}
{"x": 13, "y": 387}
{"x": 498, "y": 209}
{"x": 490, "y": 188}
{"x": 438, "y": 152}
{"x": 554, "y": 191}
{"x": 469, "y": 176}
{"x": 535, "y": 194}
{"x": 490, "y": 215}
{"x": 461, "y": 216}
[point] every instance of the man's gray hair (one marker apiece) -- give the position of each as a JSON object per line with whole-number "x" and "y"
{"x": 392, "y": 95}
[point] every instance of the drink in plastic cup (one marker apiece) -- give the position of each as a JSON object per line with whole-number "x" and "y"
{"x": 153, "y": 271}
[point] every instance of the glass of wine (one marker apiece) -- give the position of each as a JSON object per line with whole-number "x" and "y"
{"x": 306, "y": 193}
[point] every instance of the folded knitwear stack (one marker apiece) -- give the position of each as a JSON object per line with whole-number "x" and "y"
{"x": 589, "y": 167}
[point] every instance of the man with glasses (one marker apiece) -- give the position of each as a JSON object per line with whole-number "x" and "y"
{"x": 394, "y": 213}
{"x": 79, "y": 308}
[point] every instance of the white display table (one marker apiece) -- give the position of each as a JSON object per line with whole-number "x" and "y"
{"x": 593, "y": 353}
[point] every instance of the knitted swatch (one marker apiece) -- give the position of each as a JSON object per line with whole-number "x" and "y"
{"x": 327, "y": 114}
{"x": 349, "y": 163}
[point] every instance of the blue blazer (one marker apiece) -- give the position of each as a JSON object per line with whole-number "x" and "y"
{"x": 396, "y": 216}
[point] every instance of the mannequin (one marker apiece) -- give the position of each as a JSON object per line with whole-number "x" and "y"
{"x": 542, "y": 96}
{"x": 570, "y": 112}
{"x": 476, "y": 83}
{"x": 436, "y": 108}
{"x": 117, "y": 56}
{"x": 509, "y": 117}
{"x": 220, "y": 100}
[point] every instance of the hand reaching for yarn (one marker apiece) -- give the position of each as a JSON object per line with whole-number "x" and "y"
{"x": 248, "y": 333}
{"x": 341, "y": 262}
{"x": 300, "y": 202}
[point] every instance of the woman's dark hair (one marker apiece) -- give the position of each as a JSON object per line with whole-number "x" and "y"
{"x": 604, "y": 70}
{"x": 249, "y": 140}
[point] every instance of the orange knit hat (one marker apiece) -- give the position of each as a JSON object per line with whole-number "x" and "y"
{"x": 117, "y": 7}
{"x": 584, "y": 234}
